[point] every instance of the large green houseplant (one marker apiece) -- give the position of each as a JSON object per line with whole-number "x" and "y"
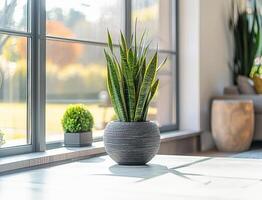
{"x": 246, "y": 29}
{"x": 132, "y": 83}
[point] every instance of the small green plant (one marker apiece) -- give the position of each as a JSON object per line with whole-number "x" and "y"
{"x": 131, "y": 80}
{"x": 77, "y": 119}
{"x": 2, "y": 140}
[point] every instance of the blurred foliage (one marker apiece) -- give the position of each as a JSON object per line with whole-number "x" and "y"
{"x": 10, "y": 52}
{"x": 245, "y": 26}
{"x": 64, "y": 72}
{"x": 2, "y": 140}
{"x": 13, "y": 67}
{"x": 146, "y": 14}
{"x": 62, "y": 53}
{"x": 75, "y": 80}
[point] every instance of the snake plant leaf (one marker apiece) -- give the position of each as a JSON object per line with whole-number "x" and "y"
{"x": 123, "y": 42}
{"x": 135, "y": 49}
{"x": 141, "y": 61}
{"x": 141, "y": 41}
{"x": 115, "y": 89}
{"x": 141, "y": 49}
{"x": 149, "y": 76}
{"x": 145, "y": 51}
{"x": 128, "y": 80}
{"x": 140, "y": 75}
{"x": 110, "y": 42}
{"x": 162, "y": 64}
{"x": 112, "y": 97}
{"x": 110, "y": 46}
{"x": 130, "y": 84}
{"x": 123, "y": 55}
{"x": 154, "y": 89}
{"x": 146, "y": 108}
{"x": 152, "y": 94}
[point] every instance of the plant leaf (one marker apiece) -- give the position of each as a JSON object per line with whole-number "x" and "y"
{"x": 110, "y": 43}
{"x": 131, "y": 92}
{"x": 151, "y": 95}
{"x": 115, "y": 89}
{"x": 162, "y": 64}
{"x": 145, "y": 87}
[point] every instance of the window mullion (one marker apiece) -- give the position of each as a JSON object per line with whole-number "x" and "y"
{"x": 38, "y": 85}
{"x": 175, "y": 15}
{"x": 128, "y": 19}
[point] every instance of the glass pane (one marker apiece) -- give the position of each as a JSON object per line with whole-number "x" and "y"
{"x": 13, "y": 14}
{"x": 13, "y": 91}
{"x": 155, "y": 16}
{"x": 163, "y": 107}
{"x": 84, "y": 19}
{"x": 76, "y": 74}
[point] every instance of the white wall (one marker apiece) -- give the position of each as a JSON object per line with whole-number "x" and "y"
{"x": 189, "y": 65}
{"x": 204, "y": 55}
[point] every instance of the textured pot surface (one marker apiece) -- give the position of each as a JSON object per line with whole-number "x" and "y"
{"x": 78, "y": 139}
{"x": 232, "y": 124}
{"x": 132, "y": 143}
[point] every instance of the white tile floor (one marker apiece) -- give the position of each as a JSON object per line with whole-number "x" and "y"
{"x": 165, "y": 178}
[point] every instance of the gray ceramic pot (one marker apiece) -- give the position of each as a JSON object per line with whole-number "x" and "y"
{"x": 78, "y": 139}
{"x": 131, "y": 143}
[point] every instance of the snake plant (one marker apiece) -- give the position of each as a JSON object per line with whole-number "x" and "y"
{"x": 245, "y": 27}
{"x": 131, "y": 80}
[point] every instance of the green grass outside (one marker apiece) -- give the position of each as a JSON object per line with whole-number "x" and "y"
{"x": 13, "y": 118}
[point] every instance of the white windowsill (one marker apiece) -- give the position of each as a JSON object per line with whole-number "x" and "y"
{"x": 66, "y": 154}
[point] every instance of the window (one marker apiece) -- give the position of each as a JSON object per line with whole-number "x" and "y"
{"x": 15, "y": 37}
{"x": 155, "y": 16}
{"x": 51, "y": 55}
{"x": 13, "y": 93}
{"x": 76, "y": 69}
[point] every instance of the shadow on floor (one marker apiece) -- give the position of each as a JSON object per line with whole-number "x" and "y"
{"x": 149, "y": 171}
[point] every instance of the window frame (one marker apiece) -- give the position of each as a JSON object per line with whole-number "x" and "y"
{"x": 36, "y": 94}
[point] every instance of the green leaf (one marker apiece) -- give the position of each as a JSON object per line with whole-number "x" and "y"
{"x": 140, "y": 76}
{"x": 135, "y": 50}
{"x": 112, "y": 97}
{"x": 131, "y": 93}
{"x": 162, "y": 64}
{"x": 141, "y": 61}
{"x": 110, "y": 43}
{"x": 149, "y": 76}
{"x": 115, "y": 90}
{"x": 125, "y": 73}
{"x": 152, "y": 94}
{"x": 154, "y": 89}
{"x": 123, "y": 42}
